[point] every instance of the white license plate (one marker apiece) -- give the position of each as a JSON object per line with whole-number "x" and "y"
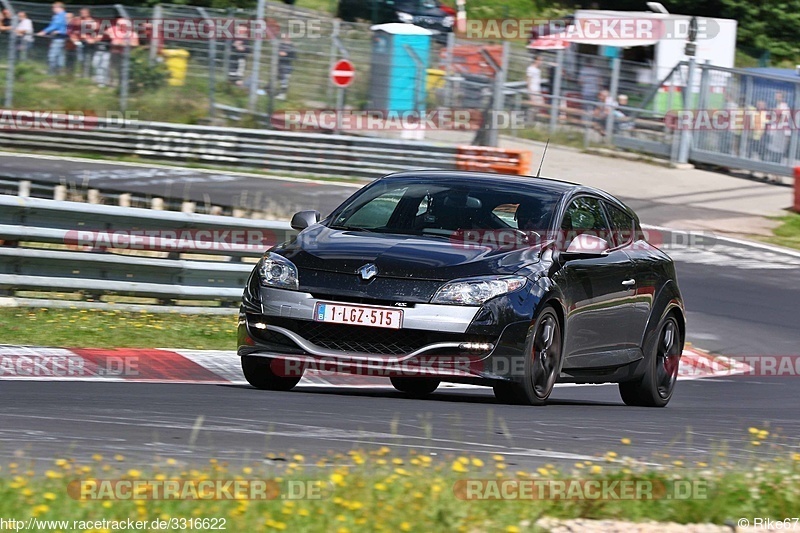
{"x": 357, "y": 315}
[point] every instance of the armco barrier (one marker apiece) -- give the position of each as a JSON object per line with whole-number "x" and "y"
{"x": 493, "y": 160}
{"x": 269, "y": 150}
{"x": 138, "y": 252}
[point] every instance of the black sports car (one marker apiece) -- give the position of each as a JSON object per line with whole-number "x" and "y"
{"x": 430, "y": 276}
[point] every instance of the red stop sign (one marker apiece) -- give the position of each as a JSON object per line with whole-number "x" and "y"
{"x": 342, "y": 73}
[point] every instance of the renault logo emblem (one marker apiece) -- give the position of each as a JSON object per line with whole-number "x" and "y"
{"x": 368, "y": 271}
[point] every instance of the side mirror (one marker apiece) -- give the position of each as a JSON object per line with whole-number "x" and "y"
{"x": 304, "y": 219}
{"x": 585, "y": 246}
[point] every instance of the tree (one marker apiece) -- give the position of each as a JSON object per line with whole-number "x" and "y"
{"x": 767, "y": 25}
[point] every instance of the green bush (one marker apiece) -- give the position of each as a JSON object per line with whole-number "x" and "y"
{"x": 143, "y": 75}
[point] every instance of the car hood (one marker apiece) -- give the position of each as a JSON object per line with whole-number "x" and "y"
{"x": 402, "y": 256}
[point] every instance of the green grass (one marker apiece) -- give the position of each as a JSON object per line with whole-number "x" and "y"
{"x": 788, "y": 233}
{"x": 34, "y": 89}
{"x": 93, "y": 328}
{"x": 386, "y": 490}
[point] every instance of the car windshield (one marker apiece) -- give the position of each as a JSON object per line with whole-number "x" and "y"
{"x": 444, "y": 208}
{"x": 416, "y": 5}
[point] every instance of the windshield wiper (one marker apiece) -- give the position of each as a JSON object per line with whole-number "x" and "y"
{"x": 353, "y": 228}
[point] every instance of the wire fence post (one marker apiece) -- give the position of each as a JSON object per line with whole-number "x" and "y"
{"x": 448, "y": 70}
{"x": 12, "y": 55}
{"x": 124, "y": 76}
{"x": 155, "y": 39}
{"x": 795, "y": 100}
{"x": 273, "y": 74}
{"x": 226, "y": 50}
{"x": 212, "y": 60}
{"x": 701, "y": 139}
{"x": 420, "y": 67}
{"x": 688, "y": 104}
{"x": 254, "y": 74}
{"x": 334, "y": 50}
{"x": 612, "y": 92}
{"x": 555, "y": 91}
{"x": 498, "y": 93}
{"x": 340, "y": 52}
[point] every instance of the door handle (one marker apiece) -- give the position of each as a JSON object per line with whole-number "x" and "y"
{"x": 629, "y": 282}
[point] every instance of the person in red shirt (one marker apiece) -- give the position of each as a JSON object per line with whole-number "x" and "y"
{"x": 123, "y": 35}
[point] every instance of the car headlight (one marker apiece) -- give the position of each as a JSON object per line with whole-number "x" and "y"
{"x": 405, "y": 17}
{"x": 448, "y": 21}
{"x": 277, "y": 271}
{"x": 476, "y": 291}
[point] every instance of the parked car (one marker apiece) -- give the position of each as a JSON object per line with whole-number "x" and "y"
{"x": 425, "y": 13}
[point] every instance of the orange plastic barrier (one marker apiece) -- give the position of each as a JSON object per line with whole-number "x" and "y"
{"x": 797, "y": 189}
{"x": 493, "y": 160}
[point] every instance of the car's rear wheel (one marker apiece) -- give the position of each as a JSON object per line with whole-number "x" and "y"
{"x": 656, "y": 386}
{"x": 259, "y": 373}
{"x": 415, "y": 387}
{"x": 542, "y": 365}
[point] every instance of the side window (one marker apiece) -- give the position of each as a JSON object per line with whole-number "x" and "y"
{"x": 507, "y": 214}
{"x": 621, "y": 225}
{"x": 584, "y": 215}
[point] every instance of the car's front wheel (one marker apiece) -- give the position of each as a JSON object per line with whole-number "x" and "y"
{"x": 656, "y": 386}
{"x": 259, "y": 373}
{"x": 542, "y": 365}
{"x": 415, "y": 387}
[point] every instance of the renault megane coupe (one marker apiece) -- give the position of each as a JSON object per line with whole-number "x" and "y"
{"x": 505, "y": 281}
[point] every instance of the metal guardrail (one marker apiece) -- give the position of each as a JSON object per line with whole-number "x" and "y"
{"x": 128, "y": 251}
{"x": 275, "y": 151}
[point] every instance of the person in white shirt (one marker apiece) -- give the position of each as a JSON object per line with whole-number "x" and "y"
{"x": 24, "y": 31}
{"x": 534, "y": 75}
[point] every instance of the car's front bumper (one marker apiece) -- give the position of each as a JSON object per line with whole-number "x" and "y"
{"x": 447, "y": 341}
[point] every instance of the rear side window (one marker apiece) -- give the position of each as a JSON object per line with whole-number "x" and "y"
{"x": 584, "y": 215}
{"x": 622, "y": 228}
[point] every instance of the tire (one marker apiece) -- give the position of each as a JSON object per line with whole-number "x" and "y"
{"x": 542, "y": 364}
{"x": 259, "y": 373}
{"x": 415, "y": 387}
{"x": 655, "y": 387}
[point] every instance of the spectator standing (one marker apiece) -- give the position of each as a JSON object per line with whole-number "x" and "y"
{"x": 6, "y": 20}
{"x": 239, "y": 52}
{"x": 73, "y": 46}
{"x": 590, "y": 79}
{"x": 780, "y": 131}
{"x": 534, "y": 76}
{"x": 88, "y": 36}
{"x": 57, "y": 31}
{"x": 758, "y": 126}
{"x": 24, "y": 31}
{"x": 729, "y": 142}
{"x": 101, "y": 60}
{"x": 286, "y": 56}
{"x": 123, "y": 35}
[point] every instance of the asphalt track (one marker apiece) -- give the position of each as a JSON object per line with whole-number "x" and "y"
{"x": 742, "y": 300}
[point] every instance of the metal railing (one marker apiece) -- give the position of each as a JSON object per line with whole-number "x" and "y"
{"x": 53, "y": 246}
{"x": 268, "y": 150}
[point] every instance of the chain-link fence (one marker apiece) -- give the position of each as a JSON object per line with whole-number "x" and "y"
{"x": 249, "y": 78}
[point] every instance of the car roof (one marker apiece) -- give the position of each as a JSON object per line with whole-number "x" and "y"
{"x": 549, "y": 184}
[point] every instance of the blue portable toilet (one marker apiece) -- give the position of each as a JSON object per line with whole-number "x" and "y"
{"x": 397, "y": 77}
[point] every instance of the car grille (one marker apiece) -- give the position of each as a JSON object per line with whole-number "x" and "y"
{"x": 379, "y": 341}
